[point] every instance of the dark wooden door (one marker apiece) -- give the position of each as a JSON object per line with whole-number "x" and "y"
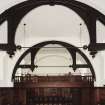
{"x": 61, "y": 96}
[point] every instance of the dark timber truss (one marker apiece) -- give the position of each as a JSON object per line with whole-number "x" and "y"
{"x": 15, "y": 14}
{"x": 71, "y": 49}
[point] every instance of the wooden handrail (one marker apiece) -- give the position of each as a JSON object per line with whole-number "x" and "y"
{"x": 40, "y": 79}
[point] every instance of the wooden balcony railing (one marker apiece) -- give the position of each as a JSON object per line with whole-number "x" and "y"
{"x": 51, "y": 79}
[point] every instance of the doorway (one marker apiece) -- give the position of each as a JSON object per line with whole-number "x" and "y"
{"x": 53, "y": 96}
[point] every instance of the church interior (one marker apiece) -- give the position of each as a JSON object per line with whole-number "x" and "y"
{"x": 52, "y": 52}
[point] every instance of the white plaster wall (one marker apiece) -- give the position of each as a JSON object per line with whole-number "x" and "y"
{"x": 38, "y": 29}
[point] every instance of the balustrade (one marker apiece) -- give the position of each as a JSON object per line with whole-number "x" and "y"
{"x": 42, "y": 79}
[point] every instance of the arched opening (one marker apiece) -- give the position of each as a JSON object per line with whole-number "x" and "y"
{"x": 76, "y": 58}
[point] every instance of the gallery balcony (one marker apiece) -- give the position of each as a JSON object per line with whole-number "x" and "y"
{"x": 66, "y": 80}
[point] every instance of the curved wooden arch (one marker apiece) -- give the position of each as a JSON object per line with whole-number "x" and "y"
{"x": 71, "y": 49}
{"x": 15, "y": 14}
